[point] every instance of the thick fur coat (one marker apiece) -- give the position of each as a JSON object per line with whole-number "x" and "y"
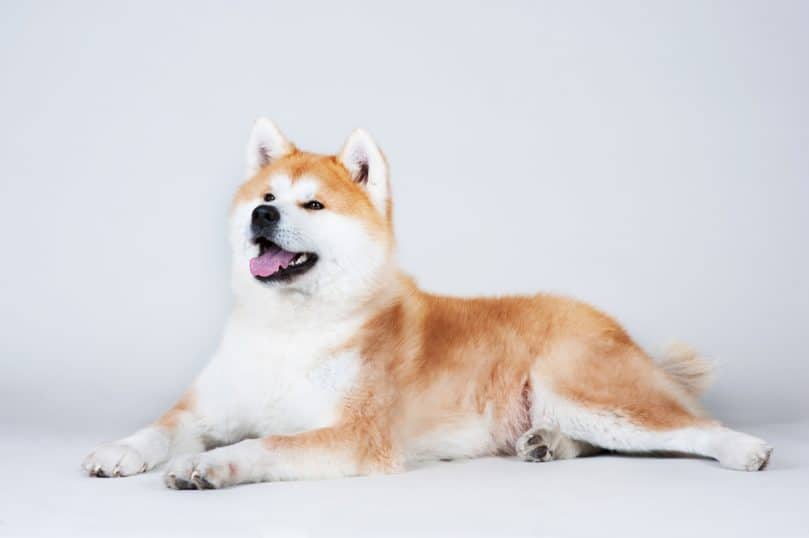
{"x": 333, "y": 363}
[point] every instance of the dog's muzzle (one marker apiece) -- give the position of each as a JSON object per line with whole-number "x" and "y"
{"x": 274, "y": 263}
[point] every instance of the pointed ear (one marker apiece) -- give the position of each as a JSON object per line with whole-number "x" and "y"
{"x": 267, "y": 143}
{"x": 367, "y": 165}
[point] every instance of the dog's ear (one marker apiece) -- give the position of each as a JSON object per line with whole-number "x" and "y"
{"x": 367, "y": 165}
{"x": 267, "y": 143}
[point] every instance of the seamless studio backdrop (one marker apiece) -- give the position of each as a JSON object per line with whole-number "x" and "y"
{"x": 649, "y": 158}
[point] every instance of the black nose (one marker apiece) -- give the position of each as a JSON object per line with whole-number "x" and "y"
{"x": 264, "y": 219}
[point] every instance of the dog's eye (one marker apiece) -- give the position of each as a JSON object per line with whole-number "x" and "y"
{"x": 314, "y": 204}
{"x": 269, "y": 197}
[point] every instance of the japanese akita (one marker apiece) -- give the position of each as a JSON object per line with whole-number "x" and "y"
{"x": 333, "y": 363}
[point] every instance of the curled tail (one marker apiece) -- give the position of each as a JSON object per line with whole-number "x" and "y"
{"x": 684, "y": 365}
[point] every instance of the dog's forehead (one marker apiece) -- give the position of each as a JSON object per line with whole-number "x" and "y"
{"x": 302, "y": 177}
{"x": 301, "y": 187}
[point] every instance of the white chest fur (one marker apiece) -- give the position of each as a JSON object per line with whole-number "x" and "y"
{"x": 264, "y": 382}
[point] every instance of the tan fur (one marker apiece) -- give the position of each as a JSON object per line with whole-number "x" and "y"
{"x": 687, "y": 368}
{"x": 169, "y": 419}
{"x": 449, "y": 358}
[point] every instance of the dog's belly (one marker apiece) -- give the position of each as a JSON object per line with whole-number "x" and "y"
{"x": 255, "y": 396}
{"x": 458, "y": 437}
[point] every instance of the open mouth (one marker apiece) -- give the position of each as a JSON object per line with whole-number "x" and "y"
{"x": 275, "y": 264}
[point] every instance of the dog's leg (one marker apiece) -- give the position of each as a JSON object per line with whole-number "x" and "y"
{"x": 174, "y": 432}
{"x": 614, "y": 431}
{"x": 325, "y": 453}
{"x": 615, "y": 397}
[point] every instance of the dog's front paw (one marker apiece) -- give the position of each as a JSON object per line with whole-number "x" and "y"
{"x": 113, "y": 460}
{"x": 198, "y": 471}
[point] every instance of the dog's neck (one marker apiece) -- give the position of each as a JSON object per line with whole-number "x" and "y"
{"x": 299, "y": 309}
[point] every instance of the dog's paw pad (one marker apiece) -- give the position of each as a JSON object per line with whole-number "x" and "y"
{"x": 195, "y": 472}
{"x": 182, "y": 483}
{"x": 534, "y": 445}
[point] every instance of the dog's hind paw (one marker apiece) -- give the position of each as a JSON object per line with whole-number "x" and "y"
{"x": 744, "y": 452}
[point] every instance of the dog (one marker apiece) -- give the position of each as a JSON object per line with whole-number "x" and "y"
{"x": 333, "y": 363}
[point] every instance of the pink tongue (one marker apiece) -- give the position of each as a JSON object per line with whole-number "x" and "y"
{"x": 273, "y": 259}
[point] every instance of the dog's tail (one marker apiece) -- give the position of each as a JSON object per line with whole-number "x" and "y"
{"x": 687, "y": 368}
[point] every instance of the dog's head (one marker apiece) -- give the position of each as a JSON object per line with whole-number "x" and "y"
{"x": 317, "y": 224}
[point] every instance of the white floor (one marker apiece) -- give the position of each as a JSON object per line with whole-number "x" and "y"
{"x": 43, "y": 493}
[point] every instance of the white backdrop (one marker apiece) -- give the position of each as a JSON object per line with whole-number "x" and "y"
{"x": 649, "y": 159}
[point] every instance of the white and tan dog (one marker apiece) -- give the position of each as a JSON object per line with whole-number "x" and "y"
{"x": 333, "y": 363}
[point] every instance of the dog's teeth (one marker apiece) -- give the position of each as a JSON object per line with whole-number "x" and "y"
{"x": 299, "y": 259}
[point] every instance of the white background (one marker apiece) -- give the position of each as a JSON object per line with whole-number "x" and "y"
{"x": 650, "y": 158}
